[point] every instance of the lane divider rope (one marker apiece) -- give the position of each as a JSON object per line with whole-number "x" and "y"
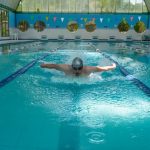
{"x": 127, "y": 74}
{"x": 22, "y": 70}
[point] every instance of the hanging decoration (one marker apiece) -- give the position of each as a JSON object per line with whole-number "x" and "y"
{"x": 54, "y": 19}
{"x": 39, "y": 26}
{"x": 72, "y": 26}
{"x": 62, "y": 19}
{"x": 123, "y": 26}
{"x": 47, "y": 18}
{"x": 140, "y": 27}
{"x": 131, "y": 18}
{"x": 23, "y": 25}
{"x": 85, "y": 20}
{"x": 90, "y": 26}
{"x": 139, "y": 17}
{"x": 101, "y": 20}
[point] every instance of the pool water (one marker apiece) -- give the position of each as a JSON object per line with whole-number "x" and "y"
{"x": 46, "y": 110}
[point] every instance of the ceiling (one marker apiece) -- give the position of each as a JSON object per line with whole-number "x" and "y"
{"x": 10, "y": 3}
{"x": 147, "y": 2}
{"x": 14, "y": 3}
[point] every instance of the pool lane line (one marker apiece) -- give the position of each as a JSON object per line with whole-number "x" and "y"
{"x": 127, "y": 74}
{"x": 22, "y": 70}
{"x": 130, "y": 77}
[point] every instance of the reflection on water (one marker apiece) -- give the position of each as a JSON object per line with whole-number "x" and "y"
{"x": 5, "y": 49}
{"x": 94, "y": 102}
{"x": 96, "y": 137}
{"x": 91, "y": 79}
{"x": 91, "y": 113}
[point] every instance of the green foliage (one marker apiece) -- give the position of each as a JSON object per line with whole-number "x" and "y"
{"x": 140, "y": 27}
{"x": 39, "y": 26}
{"x": 72, "y": 26}
{"x": 123, "y": 26}
{"x": 23, "y": 25}
{"x": 90, "y": 26}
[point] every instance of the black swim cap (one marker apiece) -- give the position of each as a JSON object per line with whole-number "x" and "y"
{"x": 77, "y": 63}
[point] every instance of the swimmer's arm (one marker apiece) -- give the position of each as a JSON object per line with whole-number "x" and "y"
{"x": 106, "y": 68}
{"x": 49, "y": 66}
{"x": 60, "y": 67}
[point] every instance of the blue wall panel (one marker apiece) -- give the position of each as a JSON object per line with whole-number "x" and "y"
{"x": 61, "y": 20}
{"x": 11, "y": 19}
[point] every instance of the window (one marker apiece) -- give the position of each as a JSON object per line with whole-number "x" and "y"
{"x": 78, "y": 7}
{"x": 98, "y": 6}
{"x": 65, "y": 6}
{"x": 144, "y": 8}
{"x": 92, "y": 6}
{"x": 108, "y": 5}
{"x": 58, "y": 6}
{"x": 25, "y": 5}
{"x": 122, "y": 6}
{"x": 138, "y": 6}
{"x": 51, "y": 5}
{"x": 4, "y": 24}
{"x": 72, "y": 6}
{"x": 83, "y": 6}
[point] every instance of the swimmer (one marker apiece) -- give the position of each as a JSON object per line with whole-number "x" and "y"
{"x": 77, "y": 68}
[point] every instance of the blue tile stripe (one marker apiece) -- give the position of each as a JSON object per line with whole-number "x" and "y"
{"x": 21, "y": 71}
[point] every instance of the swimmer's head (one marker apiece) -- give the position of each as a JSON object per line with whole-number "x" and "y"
{"x": 77, "y": 63}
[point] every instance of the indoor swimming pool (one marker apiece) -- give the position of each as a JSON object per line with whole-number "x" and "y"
{"x": 42, "y": 109}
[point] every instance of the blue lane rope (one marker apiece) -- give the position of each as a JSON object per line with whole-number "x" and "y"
{"x": 21, "y": 71}
{"x": 127, "y": 74}
{"x": 24, "y": 69}
{"x": 130, "y": 77}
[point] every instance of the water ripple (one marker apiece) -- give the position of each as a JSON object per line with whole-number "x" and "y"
{"x": 96, "y": 137}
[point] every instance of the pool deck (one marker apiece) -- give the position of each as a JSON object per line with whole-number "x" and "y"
{"x": 9, "y": 41}
{"x": 14, "y": 41}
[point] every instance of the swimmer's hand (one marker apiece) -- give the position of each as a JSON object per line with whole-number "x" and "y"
{"x": 51, "y": 66}
{"x": 114, "y": 65}
{"x": 106, "y": 68}
{"x": 42, "y": 65}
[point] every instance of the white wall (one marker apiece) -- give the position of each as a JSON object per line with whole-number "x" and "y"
{"x": 101, "y": 33}
{"x": 4, "y": 38}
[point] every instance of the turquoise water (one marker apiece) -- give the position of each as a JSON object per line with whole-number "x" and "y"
{"x": 46, "y": 110}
